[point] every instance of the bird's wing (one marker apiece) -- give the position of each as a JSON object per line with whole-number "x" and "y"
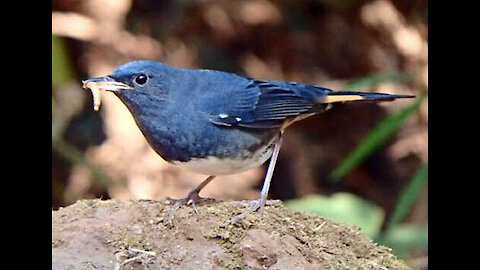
{"x": 231, "y": 100}
{"x": 268, "y": 104}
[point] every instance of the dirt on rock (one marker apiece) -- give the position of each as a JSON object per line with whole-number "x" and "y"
{"x": 97, "y": 234}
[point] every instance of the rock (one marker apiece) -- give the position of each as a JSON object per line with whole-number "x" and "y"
{"x": 96, "y": 234}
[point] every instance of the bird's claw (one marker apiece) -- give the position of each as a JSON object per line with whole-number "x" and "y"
{"x": 255, "y": 205}
{"x": 191, "y": 199}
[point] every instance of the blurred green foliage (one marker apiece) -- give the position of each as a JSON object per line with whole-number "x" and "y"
{"x": 408, "y": 196}
{"x": 61, "y": 74}
{"x": 343, "y": 207}
{"x": 63, "y": 77}
{"x": 404, "y": 238}
{"x": 350, "y": 209}
{"x": 61, "y": 67}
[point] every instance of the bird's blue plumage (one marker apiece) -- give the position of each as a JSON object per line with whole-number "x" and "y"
{"x": 175, "y": 114}
{"x": 213, "y": 122}
{"x": 190, "y": 114}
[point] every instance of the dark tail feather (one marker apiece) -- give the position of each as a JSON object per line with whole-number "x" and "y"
{"x": 348, "y": 96}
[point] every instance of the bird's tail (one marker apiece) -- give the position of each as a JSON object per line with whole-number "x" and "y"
{"x": 349, "y": 96}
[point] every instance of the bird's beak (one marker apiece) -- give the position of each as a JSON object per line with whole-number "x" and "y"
{"x": 106, "y": 83}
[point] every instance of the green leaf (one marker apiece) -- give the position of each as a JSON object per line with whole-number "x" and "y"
{"x": 343, "y": 207}
{"x": 376, "y": 138}
{"x": 403, "y": 238}
{"x": 61, "y": 67}
{"x": 408, "y": 196}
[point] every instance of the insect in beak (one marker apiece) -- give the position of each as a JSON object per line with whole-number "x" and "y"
{"x": 106, "y": 83}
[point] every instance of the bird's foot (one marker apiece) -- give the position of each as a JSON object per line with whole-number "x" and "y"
{"x": 191, "y": 199}
{"x": 255, "y": 205}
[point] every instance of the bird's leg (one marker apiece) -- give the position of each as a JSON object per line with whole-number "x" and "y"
{"x": 192, "y": 198}
{"x": 260, "y": 203}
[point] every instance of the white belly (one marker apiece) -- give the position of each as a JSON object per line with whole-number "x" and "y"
{"x": 216, "y": 166}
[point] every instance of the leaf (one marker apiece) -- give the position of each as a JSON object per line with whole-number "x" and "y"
{"x": 61, "y": 67}
{"x": 408, "y": 196}
{"x": 404, "y": 238}
{"x": 343, "y": 207}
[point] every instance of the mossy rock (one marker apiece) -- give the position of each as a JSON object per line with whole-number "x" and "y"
{"x": 96, "y": 234}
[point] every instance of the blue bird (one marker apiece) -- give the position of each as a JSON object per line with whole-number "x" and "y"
{"x": 213, "y": 122}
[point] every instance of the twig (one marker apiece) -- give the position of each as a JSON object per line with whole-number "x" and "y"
{"x": 150, "y": 253}
{"x": 320, "y": 226}
{"x": 143, "y": 253}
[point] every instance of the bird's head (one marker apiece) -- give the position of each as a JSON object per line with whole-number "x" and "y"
{"x": 133, "y": 79}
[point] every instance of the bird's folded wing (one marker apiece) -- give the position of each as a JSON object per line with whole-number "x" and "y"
{"x": 267, "y": 104}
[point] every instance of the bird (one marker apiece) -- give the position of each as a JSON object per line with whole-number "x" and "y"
{"x": 214, "y": 122}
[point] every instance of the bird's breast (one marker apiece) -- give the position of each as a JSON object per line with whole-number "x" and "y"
{"x": 212, "y": 165}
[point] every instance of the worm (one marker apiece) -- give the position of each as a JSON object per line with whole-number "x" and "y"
{"x": 97, "y": 99}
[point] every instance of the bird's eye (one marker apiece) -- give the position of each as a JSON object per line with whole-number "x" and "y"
{"x": 141, "y": 79}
